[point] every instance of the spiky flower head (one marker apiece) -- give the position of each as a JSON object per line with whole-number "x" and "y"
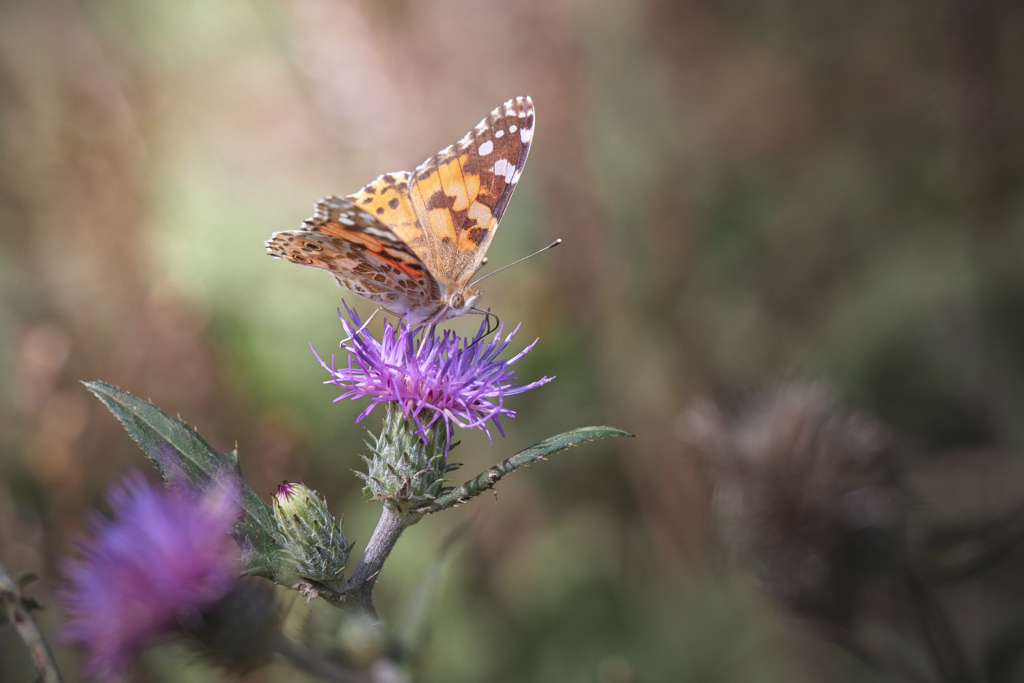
{"x": 315, "y": 551}
{"x": 432, "y": 376}
{"x": 808, "y": 493}
{"x": 164, "y": 558}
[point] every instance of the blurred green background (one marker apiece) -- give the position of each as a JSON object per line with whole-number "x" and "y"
{"x": 748, "y": 192}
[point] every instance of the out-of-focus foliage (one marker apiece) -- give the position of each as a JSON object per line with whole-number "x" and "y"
{"x": 747, "y": 191}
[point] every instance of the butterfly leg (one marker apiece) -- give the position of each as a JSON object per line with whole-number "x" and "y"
{"x": 428, "y": 335}
{"x": 361, "y": 327}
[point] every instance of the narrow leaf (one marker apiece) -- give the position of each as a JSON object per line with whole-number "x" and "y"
{"x": 26, "y": 578}
{"x": 180, "y": 453}
{"x": 487, "y": 479}
{"x": 413, "y": 628}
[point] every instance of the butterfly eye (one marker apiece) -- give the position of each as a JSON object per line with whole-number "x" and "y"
{"x": 457, "y": 301}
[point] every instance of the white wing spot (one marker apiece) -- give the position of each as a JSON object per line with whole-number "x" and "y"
{"x": 525, "y": 134}
{"x": 346, "y": 220}
{"x": 515, "y": 178}
{"x": 498, "y": 133}
{"x": 379, "y": 233}
{"x": 512, "y": 128}
{"x": 486, "y": 148}
{"x": 503, "y": 168}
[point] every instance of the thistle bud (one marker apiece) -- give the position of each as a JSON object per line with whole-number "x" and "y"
{"x": 315, "y": 551}
{"x": 405, "y": 471}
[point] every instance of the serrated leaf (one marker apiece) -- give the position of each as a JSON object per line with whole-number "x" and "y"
{"x": 180, "y": 453}
{"x": 487, "y": 479}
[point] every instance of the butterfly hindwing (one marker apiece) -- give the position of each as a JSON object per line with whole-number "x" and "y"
{"x": 364, "y": 254}
{"x": 460, "y": 194}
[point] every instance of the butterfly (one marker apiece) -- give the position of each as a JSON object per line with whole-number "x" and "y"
{"x": 411, "y": 242}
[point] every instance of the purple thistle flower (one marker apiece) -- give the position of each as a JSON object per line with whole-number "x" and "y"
{"x": 285, "y": 491}
{"x": 155, "y": 566}
{"x": 430, "y": 376}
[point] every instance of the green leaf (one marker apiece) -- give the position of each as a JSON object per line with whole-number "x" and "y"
{"x": 180, "y": 453}
{"x": 26, "y": 578}
{"x": 487, "y": 479}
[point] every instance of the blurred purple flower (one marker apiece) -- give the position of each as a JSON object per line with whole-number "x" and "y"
{"x": 455, "y": 379}
{"x": 155, "y": 566}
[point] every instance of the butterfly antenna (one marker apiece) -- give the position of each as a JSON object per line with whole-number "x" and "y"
{"x": 550, "y": 246}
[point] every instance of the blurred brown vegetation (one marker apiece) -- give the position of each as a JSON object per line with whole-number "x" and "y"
{"x": 748, "y": 191}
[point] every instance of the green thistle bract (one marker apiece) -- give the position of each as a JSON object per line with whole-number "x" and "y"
{"x": 403, "y": 469}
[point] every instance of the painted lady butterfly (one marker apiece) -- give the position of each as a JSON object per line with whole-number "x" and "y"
{"x": 411, "y": 242}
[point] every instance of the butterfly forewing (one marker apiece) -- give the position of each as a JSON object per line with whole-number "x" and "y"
{"x": 461, "y": 193}
{"x": 387, "y": 200}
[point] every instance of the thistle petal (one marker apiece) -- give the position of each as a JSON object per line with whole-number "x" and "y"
{"x": 460, "y": 380}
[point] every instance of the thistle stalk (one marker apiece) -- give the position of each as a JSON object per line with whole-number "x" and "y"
{"x": 393, "y": 521}
{"x": 16, "y": 614}
{"x": 405, "y": 472}
{"x": 429, "y": 382}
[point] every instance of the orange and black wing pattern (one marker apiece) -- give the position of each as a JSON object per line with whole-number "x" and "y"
{"x": 460, "y": 194}
{"x": 410, "y": 241}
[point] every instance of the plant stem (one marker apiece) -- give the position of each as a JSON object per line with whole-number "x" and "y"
{"x": 314, "y": 664}
{"x": 890, "y": 664}
{"x": 42, "y": 658}
{"x": 393, "y": 521}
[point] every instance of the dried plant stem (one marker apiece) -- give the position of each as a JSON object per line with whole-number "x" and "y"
{"x": 392, "y": 523}
{"x": 10, "y": 596}
{"x": 941, "y": 642}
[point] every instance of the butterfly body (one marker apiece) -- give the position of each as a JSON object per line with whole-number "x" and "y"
{"x": 411, "y": 242}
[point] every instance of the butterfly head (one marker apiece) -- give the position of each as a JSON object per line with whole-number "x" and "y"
{"x": 460, "y": 301}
